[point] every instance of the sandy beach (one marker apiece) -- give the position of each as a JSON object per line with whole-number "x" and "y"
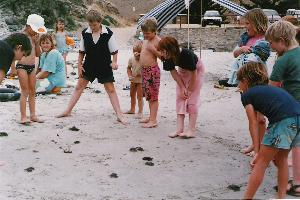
{"x": 77, "y": 165}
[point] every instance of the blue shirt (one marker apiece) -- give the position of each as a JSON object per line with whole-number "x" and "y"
{"x": 273, "y": 102}
{"x": 54, "y": 63}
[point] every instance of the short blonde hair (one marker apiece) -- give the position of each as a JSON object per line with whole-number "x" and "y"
{"x": 149, "y": 25}
{"x": 137, "y": 47}
{"x": 282, "y": 30}
{"x": 94, "y": 16}
{"x": 292, "y": 19}
{"x": 258, "y": 19}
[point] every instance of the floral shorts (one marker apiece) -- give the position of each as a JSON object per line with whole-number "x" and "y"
{"x": 151, "y": 82}
{"x": 283, "y": 134}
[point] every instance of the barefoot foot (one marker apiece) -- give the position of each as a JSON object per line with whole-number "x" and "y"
{"x": 150, "y": 125}
{"x": 188, "y": 134}
{"x": 122, "y": 120}
{"x": 36, "y": 119}
{"x": 65, "y": 114}
{"x": 175, "y": 134}
{"x": 247, "y": 150}
{"x": 139, "y": 116}
{"x": 130, "y": 112}
{"x": 145, "y": 120}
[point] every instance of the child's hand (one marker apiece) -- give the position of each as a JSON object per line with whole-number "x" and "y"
{"x": 245, "y": 49}
{"x": 114, "y": 65}
{"x": 184, "y": 93}
{"x": 151, "y": 47}
{"x": 254, "y": 160}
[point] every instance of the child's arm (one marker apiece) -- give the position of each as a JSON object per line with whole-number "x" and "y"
{"x": 35, "y": 40}
{"x": 80, "y": 66}
{"x": 253, "y": 126}
{"x": 241, "y": 50}
{"x": 114, "y": 63}
{"x": 129, "y": 72}
{"x": 42, "y": 75}
{"x": 153, "y": 50}
{"x": 179, "y": 81}
{"x": 13, "y": 70}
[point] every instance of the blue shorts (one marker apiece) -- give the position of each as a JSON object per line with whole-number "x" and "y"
{"x": 283, "y": 134}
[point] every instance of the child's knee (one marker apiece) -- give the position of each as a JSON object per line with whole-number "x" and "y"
{"x": 110, "y": 90}
{"x": 25, "y": 91}
{"x": 32, "y": 92}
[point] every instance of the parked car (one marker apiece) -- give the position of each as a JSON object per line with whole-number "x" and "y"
{"x": 212, "y": 17}
{"x": 272, "y": 15}
{"x": 294, "y": 12}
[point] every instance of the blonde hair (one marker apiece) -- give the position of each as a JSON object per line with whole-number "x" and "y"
{"x": 282, "y": 30}
{"x": 292, "y": 19}
{"x": 137, "y": 47}
{"x": 258, "y": 19}
{"x": 94, "y": 16}
{"x": 149, "y": 25}
{"x": 254, "y": 73}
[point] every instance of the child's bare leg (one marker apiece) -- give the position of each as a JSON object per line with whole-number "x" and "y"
{"x": 65, "y": 59}
{"x": 261, "y": 125}
{"x": 283, "y": 172}
{"x": 133, "y": 90}
{"x": 146, "y": 119}
{"x": 23, "y": 79}
{"x": 265, "y": 156}
{"x": 191, "y": 132}
{"x": 32, "y": 82}
{"x": 113, "y": 97}
{"x": 247, "y": 149}
{"x": 140, "y": 100}
{"x": 180, "y": 126}
{"x": 296, "y": 166}
{"x": 153, "y": 115}
{"x": 81, "y": 85}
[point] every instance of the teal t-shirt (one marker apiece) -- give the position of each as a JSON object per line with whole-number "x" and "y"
{"x": 54, "y": 63}
{"x": 287, "y": 70}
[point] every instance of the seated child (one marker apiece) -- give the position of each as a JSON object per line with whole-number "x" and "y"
{"x": 283, "y": 113}
{"x": 134, "y": 74}
{"x": 51, "y": 67}
{"x": 260, "y": 53}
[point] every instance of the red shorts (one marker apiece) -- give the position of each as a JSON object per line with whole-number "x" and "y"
{"x": 151, "y": 82}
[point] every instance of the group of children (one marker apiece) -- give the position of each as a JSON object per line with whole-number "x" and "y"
{"x": 280, "y": 106}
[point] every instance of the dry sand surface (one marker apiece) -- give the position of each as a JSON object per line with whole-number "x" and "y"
{"x": 200, "y": 168}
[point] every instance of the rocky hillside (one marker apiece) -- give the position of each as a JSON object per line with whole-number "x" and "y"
{"x": 130, "y": 9}
{"x": 15, "y": 12}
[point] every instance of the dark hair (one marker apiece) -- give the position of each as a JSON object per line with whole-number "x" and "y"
{"x": 61, "y": 20}
{"x": 45, "y": 37}
{"x": 254, "y": 73}
{"x": 17, "y": 39}
{"x": 171, "y": 45}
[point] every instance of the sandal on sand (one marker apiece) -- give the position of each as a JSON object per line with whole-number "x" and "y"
{"x": 293, "y": 191}
{"x": 290, "y": 182}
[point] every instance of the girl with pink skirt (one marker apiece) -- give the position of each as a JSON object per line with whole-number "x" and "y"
{"x": 189, "y": 78}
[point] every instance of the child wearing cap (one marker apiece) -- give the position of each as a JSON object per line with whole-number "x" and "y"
{"x": 26, "y": 68}
{"x": 97, "y": 46}
{"x": 13, "y": 48}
